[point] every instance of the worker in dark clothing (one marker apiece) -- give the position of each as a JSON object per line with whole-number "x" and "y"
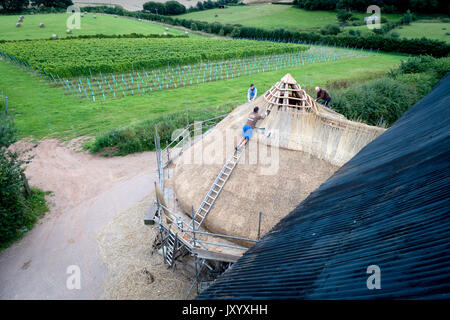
{"x": 322, "y": 94}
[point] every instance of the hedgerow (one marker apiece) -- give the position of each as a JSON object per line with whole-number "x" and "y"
{"x": 141, "y": 136}
{"x": 384, "y": 100}
{"x": 367, "y": 41}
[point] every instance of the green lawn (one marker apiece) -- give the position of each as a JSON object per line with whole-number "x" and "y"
{"x": 271, "y": 16}
{"x": 429, "y": 30}
{"x": 56, "y": 24}
{"x": 42, "y": 111}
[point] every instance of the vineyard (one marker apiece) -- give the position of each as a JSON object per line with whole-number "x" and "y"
{"x": 91, "y": 56}
{"x": 102, "y": 87}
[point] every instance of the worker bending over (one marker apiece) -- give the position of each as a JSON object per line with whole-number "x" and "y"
{"x": 322, "y": 94}
{"x": 247, "y": 130}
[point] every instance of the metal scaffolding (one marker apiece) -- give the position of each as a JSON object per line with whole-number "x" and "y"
{"x": 179, "y": 236}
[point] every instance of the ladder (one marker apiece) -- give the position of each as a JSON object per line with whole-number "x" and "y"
{"x": 170, "y": 248}
{"x": 216, "y": 188}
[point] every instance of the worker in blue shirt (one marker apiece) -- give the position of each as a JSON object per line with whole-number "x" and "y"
{"x": 252, "y": 92}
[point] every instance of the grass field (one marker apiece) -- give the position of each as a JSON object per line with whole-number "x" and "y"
{"x": 271, "y": 16}
{"x": 42, "y": 111}
{"x": 435, "y": 31}
{"x": 56, "y": 24}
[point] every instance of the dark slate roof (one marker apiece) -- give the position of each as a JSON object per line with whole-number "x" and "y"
{"x": 388, "y": 206}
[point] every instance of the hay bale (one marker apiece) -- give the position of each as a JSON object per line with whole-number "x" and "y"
{"x": 41, "y": 25}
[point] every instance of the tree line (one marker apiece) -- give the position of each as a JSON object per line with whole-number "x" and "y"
{"x": 20, "y": 5}
{"x": 387, "y": 6}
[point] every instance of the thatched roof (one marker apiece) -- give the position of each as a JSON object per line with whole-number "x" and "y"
{"x": 302, "y": 145}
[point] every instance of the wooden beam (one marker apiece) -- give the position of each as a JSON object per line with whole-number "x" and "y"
{"x": 217, "y": 256}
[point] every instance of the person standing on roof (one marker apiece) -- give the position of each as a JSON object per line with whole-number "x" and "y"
{"x": 247, "y": 130}
{"x": 252, "y": 92}
{"x": 322, "y": 94}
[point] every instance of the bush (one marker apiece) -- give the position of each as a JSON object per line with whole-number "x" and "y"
{"x": 174, "y": 8}
{"x": 235, "y": 33}
{"x": 420, "y": 64}
{"x": 386, "y": 99}
{"x": 330, "y": 29}
{"x": 18, "y": 209}
{"x": 141, "y": 136}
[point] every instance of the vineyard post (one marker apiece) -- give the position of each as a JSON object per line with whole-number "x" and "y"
{"x": 187, "y": 115}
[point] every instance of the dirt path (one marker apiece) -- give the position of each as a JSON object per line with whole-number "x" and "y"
{"x": 89, "y": 191}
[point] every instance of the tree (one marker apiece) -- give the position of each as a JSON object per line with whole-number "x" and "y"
{"x": 174, "y": 8}
{"x": 155, "y": 7}
{"x": 14, "y": 5}
{"x": 343, "y": 16}
{"x": 200, "y": 5}
{"x": 52, "y": 3}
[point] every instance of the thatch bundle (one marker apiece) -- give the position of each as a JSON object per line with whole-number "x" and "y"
{"x": 302, "y": 145}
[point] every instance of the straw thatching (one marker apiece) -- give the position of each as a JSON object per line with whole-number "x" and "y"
{"x": 303, "y": 144}
{"x": 134, "y": 272}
